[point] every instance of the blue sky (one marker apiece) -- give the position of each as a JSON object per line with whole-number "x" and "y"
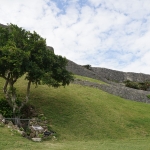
{"x": 113, "y": 34}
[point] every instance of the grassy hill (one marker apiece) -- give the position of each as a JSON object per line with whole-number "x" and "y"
{"x": 91, "y": 116}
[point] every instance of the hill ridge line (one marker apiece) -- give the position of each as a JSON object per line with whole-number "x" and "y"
{"x": 119, "y": 90}
{"x": 110, "y": 76}
{"x": 114, "y": 79}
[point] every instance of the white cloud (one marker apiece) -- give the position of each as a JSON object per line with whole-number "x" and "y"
{"x": 113, "y": 33}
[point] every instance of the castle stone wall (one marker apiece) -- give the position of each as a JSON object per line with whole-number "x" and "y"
{"x": 79, "y": 70}
{"x": 108, "y": 74}
{"x": 119, "y": 90}
{"x": 105, "y": 74}
{"x": 119, "y": 76}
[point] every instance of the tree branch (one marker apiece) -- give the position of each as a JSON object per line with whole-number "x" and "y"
{"x": 5, "y": 86}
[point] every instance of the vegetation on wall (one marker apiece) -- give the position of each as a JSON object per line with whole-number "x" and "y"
{"x": 87, "y": 67}
{"x": 138, "y": 85}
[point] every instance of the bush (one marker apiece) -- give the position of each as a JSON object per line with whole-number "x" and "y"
{"x": 148, "y": 96}
{"x": 28, "y": 111}
{"x": 87, "y": 67}
{"x": 138, "y": 85}
{"x": 132, "y": 84}
{"x": 5, "y": 109}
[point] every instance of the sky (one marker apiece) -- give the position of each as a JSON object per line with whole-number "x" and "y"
{"x": 112, "y": 34}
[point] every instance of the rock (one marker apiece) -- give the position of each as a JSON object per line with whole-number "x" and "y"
{"x": 21, "y": 132}
{"x": 32, "y": 135}
{"x": 3, "y": 121}
{"x": 1, "y": 117}
{"x": 10, "y": 124}
{"x": 36, "y": 139}
{"x": 15, "y": 127}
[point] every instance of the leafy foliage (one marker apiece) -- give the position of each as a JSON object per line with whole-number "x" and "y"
{"x": 5, "y": 108}
{"x": 138, "y": 85}
{"x": 26, "y": 53}
{"x": 87, "y": 67}
{"x": 148, "y": 96}
{"x": 28, "y": 111}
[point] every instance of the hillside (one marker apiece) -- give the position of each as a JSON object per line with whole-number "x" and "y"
{"x": 106, "y": 74}
{"x": 115, "y": 81}
{"x": 95, "y": 111}
{"x": 81, "y": 113}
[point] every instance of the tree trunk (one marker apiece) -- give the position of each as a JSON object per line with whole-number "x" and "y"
{"x": 5, "y": 86}
{"x": 13, "y": 98}
{"x": 28, "y": 91}
{"x": 16, "y": 109}
{"x": 27, "y": 96}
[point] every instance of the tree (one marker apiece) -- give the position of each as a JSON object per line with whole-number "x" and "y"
{"x": 26, "y": 53}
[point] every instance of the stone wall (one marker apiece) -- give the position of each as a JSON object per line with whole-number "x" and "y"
{"x": 4, "y": 26}
{"x": 105, "y": 74}
{"x": 119, "y": 76}
{"x": 79, "y": 70}
{"x": 50, "y": 48}
{"x": 110, "y": 76}
{"x": 119, "y": 90}
{"x": 102, "y": 73}
{"x": 114, "y": 80}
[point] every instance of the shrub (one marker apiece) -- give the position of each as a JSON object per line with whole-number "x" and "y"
{"x": 138, "y": 85}
{"x": 148, "y": 96}
{"x": 28, "y": 111}
{"x": 5, "y": 109}
{"x": 132, "y": 84}
{"x": 87, "y": 67}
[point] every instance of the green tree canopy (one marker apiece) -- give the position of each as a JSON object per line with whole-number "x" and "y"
{"x": 26, "y": 53}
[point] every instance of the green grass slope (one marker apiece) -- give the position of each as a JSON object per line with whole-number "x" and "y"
{"x": 83, "y": 113}
{"x": 12, "y": 141}
{"x": 79, "y": 113}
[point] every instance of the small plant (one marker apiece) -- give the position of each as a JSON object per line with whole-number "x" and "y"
{"x": 5, "y": 109}
{"x": 21, "y": 129}
{"x": 28, "y": 131}
{"x": 42, "y": 117}
{"x": 40, "y": 135}
{"x": 87, "y": 67}
{"x": 148, "y": 96}
{"x": 138, "y": 85}
{"x": 2, "y": 125}
{"x": 49, "y": 128}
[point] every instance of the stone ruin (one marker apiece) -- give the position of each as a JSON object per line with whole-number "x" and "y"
{"x": 37, "y": 129}
{"x": 114, "y": 81}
